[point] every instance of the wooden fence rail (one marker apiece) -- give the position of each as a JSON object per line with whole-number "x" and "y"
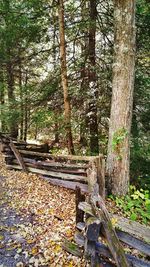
{"x": 102, "y": 240}
{"x": 64, "y": 170}
{"x": 103, "y": 236}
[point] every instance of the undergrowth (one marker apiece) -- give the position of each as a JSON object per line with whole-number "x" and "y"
{"x": 135, "y": 205}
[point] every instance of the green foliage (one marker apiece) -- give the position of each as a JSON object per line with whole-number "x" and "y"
{"x": 42, "y": 118}
{"x": 140, "y": 142}
{"x": 135, "y": 205}
{"x": 117, "y": 142}
{"x": 9, "y": 116}
{"x": 29, "y": 36}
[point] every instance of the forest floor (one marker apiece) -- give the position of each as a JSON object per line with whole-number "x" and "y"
{"x": 35, "y": 217}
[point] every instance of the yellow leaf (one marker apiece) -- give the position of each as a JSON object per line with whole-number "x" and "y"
{"x": 30, "y": 241}
{"x": 34, "y": 250}
{"x": 52, "y": 242}
{"x": 11, "y": 247}
{"x": 57, "y": 249}
{"x": 13, "y": 228}
{"x": 1, "y": 237}
{"x": 19, "y": 250}
{"x": 51, "y": 211}
{"x": 69, "y": 232}
{"x": 114, "y": 221}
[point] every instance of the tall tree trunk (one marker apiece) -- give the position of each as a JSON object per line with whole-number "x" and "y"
{"x": 118, "y": 159}
{"x": 21, "y": 99}
{"x": 56, "y": 132}
{"x": 13, "y": 125}
{"x": 84, "y": 78}
{"x": 67, "y": 106}
{"x": 93, "y": 90}
{"x": 25, "y": 108}
{"x": 2, "y": 103}
{"x": 57, "y": 107}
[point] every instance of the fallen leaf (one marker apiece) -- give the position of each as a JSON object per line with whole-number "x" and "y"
{"x": 20, "y": 264}
{"x": 34, "y": 250}
{"x": 114, "y": 221}
{"x": 1, "y": 237}
{"x": 31, "y": 241}
{"x": 57, "y": 248}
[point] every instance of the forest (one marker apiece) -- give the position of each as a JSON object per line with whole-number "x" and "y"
{"x": 74, "y": 85}
{"x": 59, "y": 82}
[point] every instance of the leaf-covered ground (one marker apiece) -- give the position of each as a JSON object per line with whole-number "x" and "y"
{"x": 35, "y": 217}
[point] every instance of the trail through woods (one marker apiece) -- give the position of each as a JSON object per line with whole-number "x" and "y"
{"x": 35, "y": 217}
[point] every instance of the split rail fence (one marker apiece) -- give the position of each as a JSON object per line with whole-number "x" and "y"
{"x": 64, "y": 170}
{"x": 107, "y": 239}
{"x": 101, "y": 238}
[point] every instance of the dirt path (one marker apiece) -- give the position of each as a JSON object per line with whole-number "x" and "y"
{"x": 35, "y": 217}
{"x": 10, "y": 240}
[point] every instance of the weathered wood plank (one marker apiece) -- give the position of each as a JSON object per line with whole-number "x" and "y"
{"x": 18, "y": 156}
{"x": 79, "y": 198}
{"x": 139, "y": 231}
{"x": 92, "y": 174}
{"x": 128, "y": 239}
{"x": 69, "y": 177}
{"x": 51, "y": 163}
{"x": 104, "y": 251}
{"x": 133, "y": 261}
{"x": 46, "y": 166}
{"x": 135, "y": 229}
{"x": 92, "y": 232}
{"x": 80, "y": 226}
{"x": 100, "y": 165}
{"x": 90, "y": 252}
{"x": 86, "y": 207}
{"x": 67, "y": 157}
{"x": 134, "y": 242}
{"x": 72, "y": 248}
{"x": 67, "y": 184}
{"x": 79, "y": 238}
{"x": 101, "y": 212}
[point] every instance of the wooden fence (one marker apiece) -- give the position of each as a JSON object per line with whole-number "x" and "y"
{"x": 102, "y": 244}
{"x": 67, "y": 171}
{"x": 102, "y": 235}
{"x": 106, "y": 238}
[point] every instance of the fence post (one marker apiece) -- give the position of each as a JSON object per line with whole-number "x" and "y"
{"x": 79, "y": 198}
{"x": 100, "y": 165}
{"x": 96, "y": 174}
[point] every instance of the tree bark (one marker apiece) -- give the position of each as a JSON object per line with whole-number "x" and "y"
{"x": 82, "y": 100}
{"x": 67, "y": 106}
{"x": 26, "y": 108}
{"x": 13, "y": 124}
{"x": 2, "y": 103}
{"x": 21, "y": 99}
{"x": 93, "y": 90}
{"x": 57, "y": 108}
{"x": 118, "y": 159}
{"x": 11, "y": 98}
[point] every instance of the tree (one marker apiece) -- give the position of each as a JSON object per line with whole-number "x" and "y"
{"x": 92, "y": 79}
{"x": 10, "y": 71}
{"x": 140, "y": 146}
{"x": 2, "y": 103}
{"x": 67, "y": 106}
{"x": 21, "y": 27}
{"x": 118, "y": 159}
